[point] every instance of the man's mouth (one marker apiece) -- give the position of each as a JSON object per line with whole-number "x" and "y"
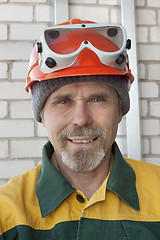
{"x": 82, "y": 140}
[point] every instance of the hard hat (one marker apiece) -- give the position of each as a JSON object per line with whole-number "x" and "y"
{"x": 79, "y": 48}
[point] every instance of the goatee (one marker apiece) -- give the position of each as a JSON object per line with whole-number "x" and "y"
{"x": 83, "y": 159}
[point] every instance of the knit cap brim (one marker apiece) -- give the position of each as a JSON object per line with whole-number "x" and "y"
{"x": 42, "y": 90}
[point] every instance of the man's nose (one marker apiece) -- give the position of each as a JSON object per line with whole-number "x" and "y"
{"x": 81, "y": 114}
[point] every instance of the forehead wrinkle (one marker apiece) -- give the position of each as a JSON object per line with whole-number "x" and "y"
{"x": 77, "y": 92}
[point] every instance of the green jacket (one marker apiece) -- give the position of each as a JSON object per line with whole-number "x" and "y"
{"x": 41, "y": 205}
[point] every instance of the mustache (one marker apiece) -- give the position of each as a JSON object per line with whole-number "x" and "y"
{"x": 86, "y": 131}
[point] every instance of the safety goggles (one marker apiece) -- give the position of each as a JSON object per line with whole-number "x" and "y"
{"x": 60, "y": 45}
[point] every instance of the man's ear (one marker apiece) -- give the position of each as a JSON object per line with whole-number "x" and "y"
{"x": 43, "y": 123}
{"x": 42, "y": 118}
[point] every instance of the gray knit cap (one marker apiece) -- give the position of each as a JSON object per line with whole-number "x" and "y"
{"x": 42, "y": 90}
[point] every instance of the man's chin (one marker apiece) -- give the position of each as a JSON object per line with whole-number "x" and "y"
{"x": 83, "y": 161}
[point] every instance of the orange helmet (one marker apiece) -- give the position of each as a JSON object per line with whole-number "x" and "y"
{"x": 78, "y": 48}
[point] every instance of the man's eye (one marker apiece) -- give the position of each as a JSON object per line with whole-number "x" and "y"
{"x": 64, "y": 101}
{"x": 97, "y": 99}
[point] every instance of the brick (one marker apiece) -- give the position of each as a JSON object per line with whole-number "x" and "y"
{"x": 3, "y": 32}
{"x": 29, "y": 148}
{"x": 15, "y": 51}
{"x": 146, "y": 17}
{"x": 142, "y": 34}
{"x": 3, "y": 109}
{"x": 42, "y": 13}
{"x": 83, "y": 1}
{"x": 155, "y": 108}
{"x": 115, "y": 16}
{"x": 141, "y": 70}
{"x": 155, "y": 34}
{"x": 20, "y": 70}
{"x": 153, "y": 3}
{"x": 9, "y": 90}
{"x": 41, "y": 131}
{"x": 145, "y": 146}
{"x": 98, "y": 14}
{"x": 26, "y": 31}
{"x": 109, "y": 2}
{"x": 16, "y": 128}
{"x": 149, "y": 52}
{"x": 140, "y": 3}
{"x": 3, "y": 70}
{"x": 4, "y": 149}
{"x": 148, "y": 90}
{"x": 154, "y": 71}
{"x": 150, "y": 127}
{"x": 143, "y": 108}
{"x": 17, "y": 109}
{"x": 29, "y": 1}
{"x": 9, "y": 169}
{"x": 13, "y": 13}
{"x": 155, "y": 143}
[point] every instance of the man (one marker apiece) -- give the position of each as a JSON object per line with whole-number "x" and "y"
{"x": 84, "y": 189}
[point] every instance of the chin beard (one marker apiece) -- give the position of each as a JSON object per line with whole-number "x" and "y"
{"x": 83, "y": 160}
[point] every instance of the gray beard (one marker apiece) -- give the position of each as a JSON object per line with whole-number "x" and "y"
{"x": 83, "y": 160}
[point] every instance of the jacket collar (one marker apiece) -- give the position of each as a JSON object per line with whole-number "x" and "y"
{"x": 122, "y": 180}
{"x": 52, "y": 187}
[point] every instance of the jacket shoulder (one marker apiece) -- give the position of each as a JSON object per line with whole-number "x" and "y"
{"x": 148, "y": 188}
{"x": 18, "y": 197}
{"x": 146, "y": 168}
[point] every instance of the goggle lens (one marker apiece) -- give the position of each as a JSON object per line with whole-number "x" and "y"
{"x": 66, "y": 41}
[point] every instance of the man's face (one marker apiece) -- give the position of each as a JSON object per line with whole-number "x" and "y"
{"x": 81, "y": 120}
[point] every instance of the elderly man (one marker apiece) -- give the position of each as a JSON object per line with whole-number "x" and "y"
{"x": 79, "y": 79}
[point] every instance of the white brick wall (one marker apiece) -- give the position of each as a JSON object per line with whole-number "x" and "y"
{"x": 4, "y": 149}
{"x": 17, "y": 109}
{"x": 83, "y": 1}
{"x": 155, "y": 108}
{"x": 13, "y": 90}
{"x": 12, "y": 168}
{"x": 148, "y": 32}
{"x": 88, "y": 12}
{"x": 3, "y": 109}
{"x": 150, "y": 127}
{"x": 153, "y": 3}
{"x": 21, "y": 140}
{"x": 146, "y": 17}
{"x": 19, "y": 70}
{"x": 16, "y": 128}
{"x": 30, "y": 148}
{"x": 45, "y": 17}
{"x": 149, "y": 89}
{"x": 3, "y": 70}
{"x": 149, "y": 52}
{"x": 3, "y": 32}
{"x": 154, "y": 71}
{"x": 11, "y": 13}
{"x": 25, "y": 31}
{"x": 21, "y": 22}
{"x": 15, "y": 51}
